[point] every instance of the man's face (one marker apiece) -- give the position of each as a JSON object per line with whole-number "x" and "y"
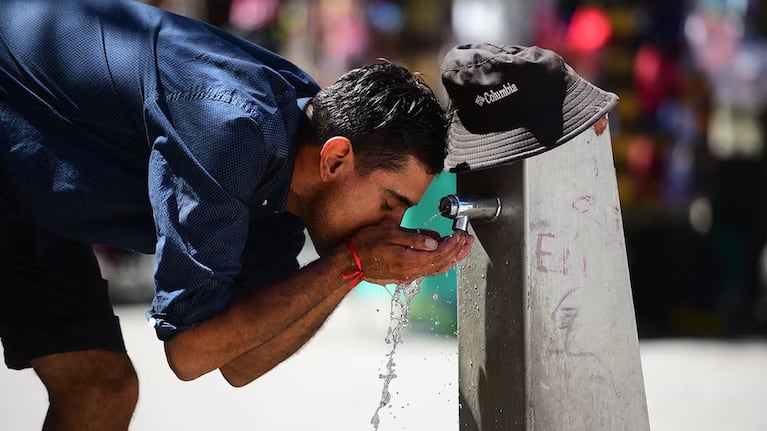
{"x": 353, "y": 201}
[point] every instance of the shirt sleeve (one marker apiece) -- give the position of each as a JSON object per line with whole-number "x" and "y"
{"x": 202, "y": 173}
{"x": 271, "y": 251}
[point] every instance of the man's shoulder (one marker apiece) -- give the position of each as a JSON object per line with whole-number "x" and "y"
{"x": 199, "y": 60}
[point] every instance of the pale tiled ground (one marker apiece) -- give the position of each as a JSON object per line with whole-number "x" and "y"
{"x": 333, "y": 383}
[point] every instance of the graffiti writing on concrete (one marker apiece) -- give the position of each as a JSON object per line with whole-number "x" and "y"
{"x": 568, "y": 316}
{"x": 555, "y": 256}
{"x": 583, "y": 204}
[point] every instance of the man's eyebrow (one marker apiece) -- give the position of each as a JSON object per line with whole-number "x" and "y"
{"x": 404, "y": 199}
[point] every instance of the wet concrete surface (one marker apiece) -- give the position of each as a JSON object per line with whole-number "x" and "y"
{"x": 332, "y": 383}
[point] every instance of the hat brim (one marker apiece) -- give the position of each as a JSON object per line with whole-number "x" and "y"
{"x": 584, "y": 105}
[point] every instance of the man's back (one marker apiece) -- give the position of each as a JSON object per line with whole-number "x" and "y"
{"x": 87, "y": 88}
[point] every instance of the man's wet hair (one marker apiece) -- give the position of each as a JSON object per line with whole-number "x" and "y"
{"x": 388, "y": 113}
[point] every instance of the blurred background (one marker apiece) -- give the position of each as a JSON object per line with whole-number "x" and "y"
{"x": 688, "y": 134}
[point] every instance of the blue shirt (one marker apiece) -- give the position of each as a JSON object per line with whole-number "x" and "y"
{"x": 125, "y": 125}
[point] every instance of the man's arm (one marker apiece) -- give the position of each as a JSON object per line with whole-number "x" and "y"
{"x": 259, "y": 316}
{"x": 286, "y": 314}
{"x": 260, "y": 360}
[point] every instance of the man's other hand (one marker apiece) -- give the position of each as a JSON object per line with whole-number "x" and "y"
{"x": 391, "y": 254}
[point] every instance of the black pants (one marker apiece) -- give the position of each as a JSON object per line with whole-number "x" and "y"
{"x": 52, "y": 296}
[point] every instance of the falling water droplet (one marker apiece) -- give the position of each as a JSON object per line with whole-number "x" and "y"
{"x": 431, "y": 219}
{"x": 400, "y": 320}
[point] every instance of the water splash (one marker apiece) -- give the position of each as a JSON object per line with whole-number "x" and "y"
{"x": 400, "y": 320}
{"x": 431, "y": 219}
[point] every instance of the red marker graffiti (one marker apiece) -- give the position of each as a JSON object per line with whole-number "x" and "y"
{"x": 540, "y": 253}
{"x": 583, "y": 204}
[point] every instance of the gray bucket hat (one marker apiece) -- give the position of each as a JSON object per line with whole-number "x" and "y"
{"x": 513, "y": 102}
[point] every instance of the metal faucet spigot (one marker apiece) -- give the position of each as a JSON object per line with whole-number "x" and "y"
{"x": 463, "y": 208}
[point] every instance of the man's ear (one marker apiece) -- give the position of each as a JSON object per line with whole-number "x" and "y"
{"x": 336, "y": 157}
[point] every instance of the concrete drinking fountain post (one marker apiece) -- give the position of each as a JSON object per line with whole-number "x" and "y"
{"x": 547, "y": 333}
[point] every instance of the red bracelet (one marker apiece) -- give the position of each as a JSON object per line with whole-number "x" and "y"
{"x": 356, "y": 276}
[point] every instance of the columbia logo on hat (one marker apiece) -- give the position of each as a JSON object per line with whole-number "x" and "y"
{"x": 551, "y": 104}
{"x": 494, "y": 96}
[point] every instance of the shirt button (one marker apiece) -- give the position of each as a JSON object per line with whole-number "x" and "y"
{"x": 264, "y": 203}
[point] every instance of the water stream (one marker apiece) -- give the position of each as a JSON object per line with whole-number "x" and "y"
{"x": 399, "y": 321}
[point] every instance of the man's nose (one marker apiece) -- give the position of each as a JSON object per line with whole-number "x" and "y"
{"x": 395, "y": 216}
